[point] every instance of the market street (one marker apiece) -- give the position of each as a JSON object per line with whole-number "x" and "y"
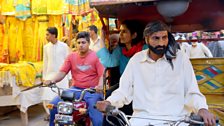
{"x": 36, "y": 117}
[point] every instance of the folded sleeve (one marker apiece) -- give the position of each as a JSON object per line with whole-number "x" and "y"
{"x": 66, "y": 67}
{"x": 109, "y": 59}
{"x": 124, "y": 94}
{"x": 194, "y": 99}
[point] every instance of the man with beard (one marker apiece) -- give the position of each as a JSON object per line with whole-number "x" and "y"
{"x": 160, "y": 82}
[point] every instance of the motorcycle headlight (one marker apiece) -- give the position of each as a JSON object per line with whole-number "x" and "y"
{"x": 65, "y": 107}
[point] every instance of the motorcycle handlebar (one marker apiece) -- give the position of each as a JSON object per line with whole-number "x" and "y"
{"x": 196, "y": 119}
{"x": 192, "y": 119}
{"x": 112, "y": 110}
{"x": 91, "y": 90}
{"x": 39, "y": 85}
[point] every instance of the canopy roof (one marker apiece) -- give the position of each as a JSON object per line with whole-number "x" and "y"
{"x": 204, "y": 15}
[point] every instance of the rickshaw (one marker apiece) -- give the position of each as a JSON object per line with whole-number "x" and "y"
{"x": 181, "y": 16}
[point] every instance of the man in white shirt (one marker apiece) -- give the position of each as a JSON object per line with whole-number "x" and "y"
{"x": 94, "y": 38}
{"x": 221, "y": 44}
{"x": 199, "y": 50}
{"x": 160, "y": 81}
{"x": 55, "y": 53}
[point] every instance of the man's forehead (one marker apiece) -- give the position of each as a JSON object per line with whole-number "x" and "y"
{"x": 81, "y": 39}
{"x": 160, "y": 33}
{"x": 48, "y": 32}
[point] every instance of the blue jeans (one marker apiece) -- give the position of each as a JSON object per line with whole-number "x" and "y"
{"x": 91, "y": 99}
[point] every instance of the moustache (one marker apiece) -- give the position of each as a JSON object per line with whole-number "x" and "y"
{"x": 159, "y": 50}
{"x": 160, "y": 47}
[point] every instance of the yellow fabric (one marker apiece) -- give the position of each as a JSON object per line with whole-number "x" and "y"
{"x": 19, "y": 42}
{"x": 28, "y": 39}
{"x": 2, "y": 65}
{"x": 5, "y": 45}
{"x": 55, "y": 7}
{"x": 89, "y": 19}
{"x": 56, "y": 21}
{"x": 1, "y": 6}
{"x": 24, "y": 40}
{"x": 25, "y": 74}
{"x": 24, "y": 2}
{"x": 14, "y": 33}
{"x": 11, "y": 31}
{"x": 41, "y": 24}
{"x": 65, "y": 8}
{"x": 8, "y": 7}
{"x": 39, "y": 68}
{"x": 39, "y": 7}
{"x": 1, "y": 42}
{"x": 80, "y": 7}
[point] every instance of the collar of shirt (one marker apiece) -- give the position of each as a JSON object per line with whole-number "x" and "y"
{"x": 96, "y": 41}
{"x": 146, "y": 58}
{"x": 55, "y": 43}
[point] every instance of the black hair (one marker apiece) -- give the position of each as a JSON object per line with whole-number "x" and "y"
{"x": 83, "y": 34}
{"x": 53, "y": 31}
{"x": 134, "y": 26}
{"x": 93, "y": 28}
{"x": 155, "y": 26}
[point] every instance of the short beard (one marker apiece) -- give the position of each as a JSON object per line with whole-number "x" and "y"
{"x": 157, "y": 49}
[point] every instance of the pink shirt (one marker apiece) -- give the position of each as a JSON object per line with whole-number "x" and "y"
{"x": 85, "y": 70}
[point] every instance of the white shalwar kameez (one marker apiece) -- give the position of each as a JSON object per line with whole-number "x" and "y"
{"x": 95, "y": 45}
{"x": 200, "y": 51}
{"x": 54, "y": 56}
{"x": 157, "y": 90}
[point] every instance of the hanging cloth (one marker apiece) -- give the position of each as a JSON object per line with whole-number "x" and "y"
{"x": 28, "y": 39}
{"x": 8, "y": 7}
{"x": 41, "y": 24}
{"x": 1, "y": 43}
{"x": 80, "y": 7}
{"x": 56, "y": 21}
{"x": 19, "y": 41}
{"x": 39, "y": 7}
{"x": 55, "y": 7}
{"x": 22, "y": 9}
{"x": 13, "y": 39}
{"x": 5, "y": 45}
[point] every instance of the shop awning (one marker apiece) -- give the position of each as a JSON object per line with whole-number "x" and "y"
{"x": 204, "y": 15}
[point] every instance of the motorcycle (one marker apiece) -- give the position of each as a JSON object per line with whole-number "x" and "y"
{"x": 71, "y": 111}
{"x": 123, "y": 120}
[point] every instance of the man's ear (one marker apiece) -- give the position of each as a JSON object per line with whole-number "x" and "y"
{"x": 134, "y": 35}
{"x": 146, "y": 40}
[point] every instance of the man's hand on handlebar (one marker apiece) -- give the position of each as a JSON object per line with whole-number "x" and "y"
{"x": 208, "y": 117}
{"x": 48, "y": 82}
{"x": 99, "y": 89}
{"x": 102, "y": 105}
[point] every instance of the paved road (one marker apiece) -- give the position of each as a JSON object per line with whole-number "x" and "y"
{"x": 36, "y": 117}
